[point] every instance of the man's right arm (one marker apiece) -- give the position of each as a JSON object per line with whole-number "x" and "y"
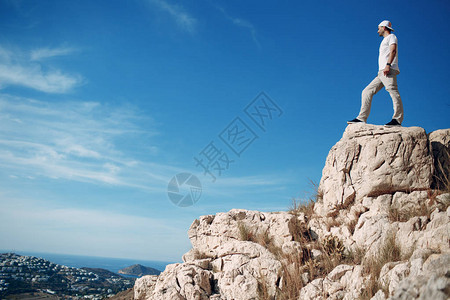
{"x": 392, "y": 54}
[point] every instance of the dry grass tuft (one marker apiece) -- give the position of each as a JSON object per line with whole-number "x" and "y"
{"x": 355, "y": 256}
{"x": 299, "y": 268}
{"x": 332, "y": 255}
{"x": 263, "y": 287}
{"x": 264, "y": 240}
{"x": 331, "y": 222}
{"x": 291, "y": 280}
{"x": 352, "y": 225}
{"x": 425, "y": 208}
{"x": 389, "y": 252}
{"x": 245, "y": 234}
{"x": 318, "y": 193}
{"x": 291, "y": 271}
{"x": 307, "y": 208}
{"x": 201, "y": 255}
{"x": 299, "y": 231}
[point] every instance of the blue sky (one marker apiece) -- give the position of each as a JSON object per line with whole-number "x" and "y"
{"x": 103, "y": 102}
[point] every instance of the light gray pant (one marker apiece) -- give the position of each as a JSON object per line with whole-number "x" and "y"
{"x": 390, "y": 83}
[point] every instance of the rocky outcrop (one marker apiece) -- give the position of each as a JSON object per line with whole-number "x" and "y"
{"x": 209, "y": 232}
{"x": 378, "y": 230}
{"x": 370, "y": 161}
{"x": 222, "y": 263}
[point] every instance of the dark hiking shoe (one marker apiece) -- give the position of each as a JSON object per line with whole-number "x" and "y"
{"x": 354, "y": 121}
{"x": 393, "y": 122}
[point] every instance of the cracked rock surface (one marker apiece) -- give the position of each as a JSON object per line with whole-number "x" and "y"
{"x": 378, "y": 185}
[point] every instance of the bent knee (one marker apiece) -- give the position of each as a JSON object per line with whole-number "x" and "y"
{"x": 368, "y": 92}
{"x": 392, "y": 91}
{"x": 391, "y": 88}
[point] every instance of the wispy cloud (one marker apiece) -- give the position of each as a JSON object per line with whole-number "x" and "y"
{"x": 81, "y": 141}
{"x": 19, "y": 68}
{"x": 178, "y": 13}
{"x": 44, "y": 53}
{"x": 243, "y": 24}
{"x": 90, "y": 142}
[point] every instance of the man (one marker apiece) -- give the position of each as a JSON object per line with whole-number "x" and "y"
{"x": 387, "y": 77}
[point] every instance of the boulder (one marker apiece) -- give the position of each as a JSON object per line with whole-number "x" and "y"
{"x": 209, "y": 232}
{"x": 242, "y": 267}
{"x": 370, "y": 161}
{"x": 429, "y": 280}
{"x": 144, "y": 286}
{"x": 186, "y": 281}
{"x": 343, "y": 282}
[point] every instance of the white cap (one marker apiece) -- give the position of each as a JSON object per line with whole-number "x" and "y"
{"x": 387, "y": 24}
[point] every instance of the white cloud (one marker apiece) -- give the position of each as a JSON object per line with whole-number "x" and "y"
{"x": 19, "y": 69}
{"x": 93, "y": 143}
{"x": 243, "y": 24}
{"x": 80, "y": 141}
{"x": 44, "y": 53}
{"x": 183, "y": 19}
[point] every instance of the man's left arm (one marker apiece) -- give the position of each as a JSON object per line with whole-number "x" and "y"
{"x": 392, "y": 54}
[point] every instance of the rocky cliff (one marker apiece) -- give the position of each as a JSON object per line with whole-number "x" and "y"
{"x": 378, "y": 229}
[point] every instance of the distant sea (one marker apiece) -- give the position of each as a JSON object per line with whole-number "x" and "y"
{"x": 78, "y": 261}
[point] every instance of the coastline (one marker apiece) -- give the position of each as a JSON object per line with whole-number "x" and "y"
{"x": 80, "y": 261}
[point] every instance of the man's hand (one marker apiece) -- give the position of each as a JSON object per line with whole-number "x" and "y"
{"x": 386, "y": 70}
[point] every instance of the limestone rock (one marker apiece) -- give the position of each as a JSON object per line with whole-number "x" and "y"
{"x": 436, "y": 235}
{"x": 344, "y": 282}
{"x": 184, "y": 281}
{"x": 314, "y": 290}
{"x": 392, "y": 273}
{"x": 431, "y": 281}
{"x": 209, "y": 232}
{"x": 144, "y": 286}
{"x": 407, "y": 202}
{"x": 339, "y": 271}
{"x": 373, "y": 160}
{"x": 241, "y": 267}
{"x": 376, "y": 187}
{"x": 379, "y": 296}
{"x": 371, "y": 229}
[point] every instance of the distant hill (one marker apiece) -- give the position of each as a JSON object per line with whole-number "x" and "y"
{"x": 139, "y": 270}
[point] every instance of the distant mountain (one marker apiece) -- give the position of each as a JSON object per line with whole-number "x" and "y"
{"x": 139, "y": 270}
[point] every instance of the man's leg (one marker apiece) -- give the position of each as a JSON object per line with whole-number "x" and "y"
{"x": 366, "y": 98}
{"x": 390, "y": 83}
